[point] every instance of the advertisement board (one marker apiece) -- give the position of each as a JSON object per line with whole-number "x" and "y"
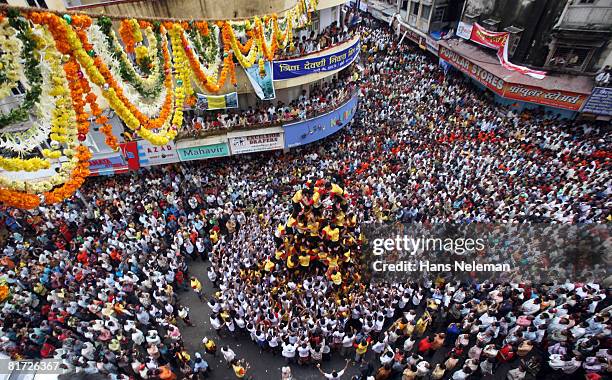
{"x": 464, "y": 30}
{"x": 493, "y": 82}
{"x": 257, "y": 143}
{"x": 307, "y": 131}
{"x": 203, "y": 152}
{"x": 294, "y": 68}
{"x": 554, "y": 98}
{"x": 600, "y": 102}
{"x": 150, "y": 154}
{"x": 108, "y": 164}
{"x": 432, "y": 45}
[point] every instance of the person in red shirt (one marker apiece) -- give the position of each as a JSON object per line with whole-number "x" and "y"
{"x": 425, "y": 345}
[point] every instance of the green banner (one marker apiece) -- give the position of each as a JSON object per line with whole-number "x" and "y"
{"x": 203, "y": 152}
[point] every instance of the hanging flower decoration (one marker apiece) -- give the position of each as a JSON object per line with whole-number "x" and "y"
{"x": 67, "y": 61}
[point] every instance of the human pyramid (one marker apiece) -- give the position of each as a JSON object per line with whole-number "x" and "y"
{"x": 320, "y": 236}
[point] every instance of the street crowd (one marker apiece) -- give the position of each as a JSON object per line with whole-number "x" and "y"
{"x": 322, "y": 98}
{"x": 308, "y": 42}
{"x": 97, "y": 281}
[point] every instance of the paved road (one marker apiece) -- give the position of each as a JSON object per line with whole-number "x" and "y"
{"x": 264, "y": 366}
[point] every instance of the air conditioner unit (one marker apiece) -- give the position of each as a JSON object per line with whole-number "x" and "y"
{"x": 491, "y": 24}
{"x": 471, "y": 18}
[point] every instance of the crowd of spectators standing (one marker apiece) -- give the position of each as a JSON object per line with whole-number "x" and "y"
{"x": 98, "y": 281}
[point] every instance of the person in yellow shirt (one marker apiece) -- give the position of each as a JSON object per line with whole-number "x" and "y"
{"x": 332, "y": 232}
{"x": 268, "y": 265}
{"x": 292, "y": 261}
{"x": 336, "y": 278}
{"x": 332, "y": 261}
{"x": 240, "y": 368}
{"x": 335, "y": 189}
{"x": 196, "y": 285}
{"x": 304, "y": 260}
{"x": 360, "y": 350}
{"x": 210, "y": 346}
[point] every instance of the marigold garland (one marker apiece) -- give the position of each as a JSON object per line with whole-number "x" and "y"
{"x": 146, "y": 70}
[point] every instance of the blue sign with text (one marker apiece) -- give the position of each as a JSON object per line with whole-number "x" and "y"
{"x": 294, "y": 68}
{"x": 600, "y": 102}
{"x": 305, "y": 132}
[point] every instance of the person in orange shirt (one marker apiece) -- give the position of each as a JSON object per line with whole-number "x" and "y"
{"x": 165, "y": 373}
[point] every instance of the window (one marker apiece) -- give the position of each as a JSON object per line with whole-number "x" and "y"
{"x": 405, "y": 5}
{"x": 438, "y": 15}
{"x": 426, "y": 12}
{"x": 570, "y": 57}
{"x": 37, "y": 3}
{"x": 586, "y": 1}
{"x": 415, "y": 8}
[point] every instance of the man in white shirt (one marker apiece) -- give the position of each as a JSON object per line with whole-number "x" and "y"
{"x": 333, "y": 374}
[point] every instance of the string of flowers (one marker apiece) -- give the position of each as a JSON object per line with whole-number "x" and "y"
{"x": 60, "y": 58}
{"x": 182, "y": 49}
{"x": 30, "y": 69}
{"x": 153, "y": 84}
{"x": 10, "y": 65}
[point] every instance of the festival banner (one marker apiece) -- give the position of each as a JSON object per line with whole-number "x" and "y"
{"x": 215, "y": 102}
{"x": 493, "y": 82}
{"x": 493, "y": 40}
{"x": 263, "y": 85}
{"x": 130, "y": 153}
{"x": 150, "y": 155}
{"x": 203, "y": 152}
{"x": 600, "y": 102}
{"x": 257, "y": 143}
{"x": 294, "y": 68}
{"x": 498, "y": 41}
{"x": 554, "y": 98}
{"x": 308, "y": 131}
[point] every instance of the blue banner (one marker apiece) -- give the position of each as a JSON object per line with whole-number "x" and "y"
{"x": 263, "y": 85}
{"x": 600, "y": 102}
{"x": 294, "y": 68}
{"x": 307, "y": 131}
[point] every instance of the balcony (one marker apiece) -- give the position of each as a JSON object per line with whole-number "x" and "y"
{"x": 212, "y": 128}
{"x": 587, "y": 16}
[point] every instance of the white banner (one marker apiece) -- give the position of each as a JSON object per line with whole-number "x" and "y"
{"x": 257, "y": 143}
{"x": 150, "y": 155}
{"x": 464, "y": 30}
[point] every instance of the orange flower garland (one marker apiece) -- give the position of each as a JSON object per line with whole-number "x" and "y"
{"x": 77, "y": 85}
{"x": 77, "y": 178}
{"x": 127, "y": 35}
{"x": 200, "y": 75}
{"x": 143, "y": 119}
{"x": 202, "y": 26}
{"x": 19, "y": 199}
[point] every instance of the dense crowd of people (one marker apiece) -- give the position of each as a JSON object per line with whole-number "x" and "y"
{"x": 305, "y": 43}
{"x": 96, "y": 281}
{"x": 322, "y": 98}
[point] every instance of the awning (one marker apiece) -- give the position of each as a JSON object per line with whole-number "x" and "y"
{"x": 560, "y": 91}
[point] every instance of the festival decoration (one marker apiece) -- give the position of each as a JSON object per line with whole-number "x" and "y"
{"x": 66, "y": 61}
